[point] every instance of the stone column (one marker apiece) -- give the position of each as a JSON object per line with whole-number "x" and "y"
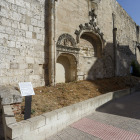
{"x": 51, "y": 42}
{"x": 115, "y": 50}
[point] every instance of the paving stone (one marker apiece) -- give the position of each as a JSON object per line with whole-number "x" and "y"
{"x": 110, "y": 114}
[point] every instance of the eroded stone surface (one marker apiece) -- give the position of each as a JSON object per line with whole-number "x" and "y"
{"x": 9, "y": 95}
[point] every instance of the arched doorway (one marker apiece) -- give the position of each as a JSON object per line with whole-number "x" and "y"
{"x": 66, "y": 68}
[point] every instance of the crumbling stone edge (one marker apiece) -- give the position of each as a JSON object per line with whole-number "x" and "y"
{"x": 48, "y": 124}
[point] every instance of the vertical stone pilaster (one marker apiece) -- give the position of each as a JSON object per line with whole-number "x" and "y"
{"x": 115, "y": 50}
{"x": 51, "y": 42}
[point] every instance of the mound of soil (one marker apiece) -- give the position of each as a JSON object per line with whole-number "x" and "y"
{"x": 48, "y": 98}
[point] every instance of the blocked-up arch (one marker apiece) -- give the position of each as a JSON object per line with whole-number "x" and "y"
{"x": 66, "y": 68}
{"x": 94, "y": 39}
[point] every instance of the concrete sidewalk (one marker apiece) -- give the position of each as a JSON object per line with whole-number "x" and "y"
{"x": 123, "y": 113}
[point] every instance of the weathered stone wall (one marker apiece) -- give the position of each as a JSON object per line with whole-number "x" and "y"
{"x": 29, "y": 31}
{"x": 126, "y": 33}
{"x": 22, "y": 34}
{"x": 110, "y": 15}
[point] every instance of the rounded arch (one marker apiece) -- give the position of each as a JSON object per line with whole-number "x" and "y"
{"x": 66, "y": 68}
{"x": 95, "y": 39}
{"x": 72, "y": 58}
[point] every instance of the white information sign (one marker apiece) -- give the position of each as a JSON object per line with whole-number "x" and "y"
{"x": 26, "y": 89}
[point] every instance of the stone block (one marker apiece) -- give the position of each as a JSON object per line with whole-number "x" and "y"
{"x": 2, "y": 58}
{"x": 30, "y": 28}
{"x": 9, "y": 72}
{"x": 4, "y": 50}
{"x": 9, "y": 30}
{"x": 21, "y": 10}
{"x": 29, "y": 72}
{"x": 13, "y": 80}
{"x": 23, "y": 66}
{"x": 60, "y": 127}
{"x": 28, "y": 34}
{"x": 33, "y": 35}
{"x": 20, "y": 3}
{"x": 28, "y": 19}
{"x": 37, "y": 69}
{"x": 5, "y": 80}
{"x": 39, "y": 60}
{"x": 23, "y": 26}
{"x": 30, "y": 66}
{"x": 3, "y": 36}
{"x": 20, "y": 33}
{"x": 4, "y": 66}
{"x": 12, "y": 38}
{"x": 40, "y": 36}
{"x": 4, "y": 13}
{"x": 11, "y": 1}
{"x": 14, "y": 65}
{"x": 15, "y": 24}
{"x": 15, "y": 16}
{"x": 29, "y": 47}
{"x": 27, "y": 5}
{"x": 18, "y": 129}
{"x": 40, "y": 24}
{"x": 9, "y": 95}
{"x": 11, "y": 43}
{"x": 75, "y": 110}
{"x": 14, "y": 7}
{"x": 34, "y": 22}
{"x": 50, "y": 117}
{"x": 34, "y": 78}
{"x": 61, "y": 113}
{"x": 30, "y": 13}
{"x": 2, "y": 73}
{"x": 45, "y": 128}
{"x": 5, "y": 22}
{"x": 30, "y": 60}
{"x": 14, "y": 51}
{"x": 57, "y": 123}
{"x": 2, "y": 29}
{"x": 32, "y": 135}
{"x": 8, "y": 114}
{"x": 37, "y": 16}
{"x": 20, "y": 59}
{"x": 37, "y": 122}
{"x": 10, "y": 59}
{"x": 19, "y": 72}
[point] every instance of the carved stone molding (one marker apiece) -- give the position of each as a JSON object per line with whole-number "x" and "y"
{"x": 66, "y": 40}
{"x": 91, "y": 26}
{"x": 66, "y": 43}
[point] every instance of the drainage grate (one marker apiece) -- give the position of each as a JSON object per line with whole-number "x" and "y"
{"x": 1, "y": 129}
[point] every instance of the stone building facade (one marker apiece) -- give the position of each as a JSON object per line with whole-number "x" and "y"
{"x": 53, "y": 41}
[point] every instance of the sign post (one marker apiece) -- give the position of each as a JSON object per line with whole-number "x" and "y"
{"x": 131, "y": 71}
{"x": 27, "y": 91}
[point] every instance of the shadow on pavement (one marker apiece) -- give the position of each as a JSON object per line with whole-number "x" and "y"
{"x": 127, "y": 106}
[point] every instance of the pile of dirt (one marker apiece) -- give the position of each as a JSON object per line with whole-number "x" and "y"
{"x": 48, "y": 98}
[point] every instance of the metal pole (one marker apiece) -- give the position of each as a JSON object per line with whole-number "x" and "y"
{"x": 28, "y": 100}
